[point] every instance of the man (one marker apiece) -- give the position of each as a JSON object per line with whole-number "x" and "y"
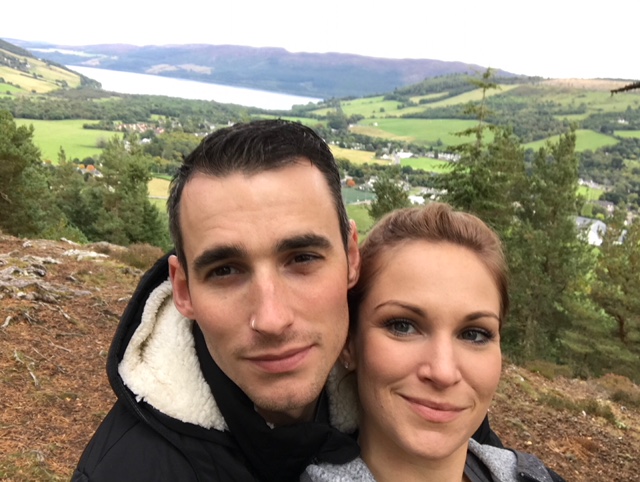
{"x": 226, "y": 370}
{"x": 264, "y": 257}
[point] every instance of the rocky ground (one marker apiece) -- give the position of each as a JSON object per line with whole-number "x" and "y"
{"x": 59, "y": 307}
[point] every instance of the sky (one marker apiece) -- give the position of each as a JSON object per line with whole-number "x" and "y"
{"x": 550, "y": 38}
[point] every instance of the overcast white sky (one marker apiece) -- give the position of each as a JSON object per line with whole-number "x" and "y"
{"x": 552, "y": 38}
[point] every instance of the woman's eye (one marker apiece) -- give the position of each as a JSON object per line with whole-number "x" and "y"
{"x": 476, "y": 336}
{"x": 400, "y": 327}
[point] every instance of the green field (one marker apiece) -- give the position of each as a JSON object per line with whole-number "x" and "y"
{"x": 352, "y": 195}
{"x": 589, "y": 193}
{"x": 427, "y": 164}
{"x": 420, "y": 131}
{"x": 358, "y": 212}
{"x": 77, "y": 142}
{"x": 629, "y": 134}
{"x": 40, "y": 78}
{"x": 585, "y": 139}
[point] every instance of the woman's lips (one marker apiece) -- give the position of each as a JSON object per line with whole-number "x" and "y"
{"x": 435, "y": 412}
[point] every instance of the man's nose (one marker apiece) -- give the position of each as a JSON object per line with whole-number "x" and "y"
{"x": 272, "y": 314}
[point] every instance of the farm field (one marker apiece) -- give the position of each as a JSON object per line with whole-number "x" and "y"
{"x": 629, "y": 134}
{"x": 41, "y": 78}
{"x": 589, "y": 193}
{"x": 432, "y": 132}
{"x": 585, "y": 139}
{"x": 427, "y": 164}
{"x": 77, "y": 142}
{"x": 358, "y": 212}
{"x": 158, "y": 188}
{"x": 356, "y": 157}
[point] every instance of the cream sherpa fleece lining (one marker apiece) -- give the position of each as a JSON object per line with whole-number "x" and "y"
{"x": 161, "y": 367}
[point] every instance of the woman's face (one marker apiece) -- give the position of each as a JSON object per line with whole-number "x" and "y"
{"x": 426, "y": 351}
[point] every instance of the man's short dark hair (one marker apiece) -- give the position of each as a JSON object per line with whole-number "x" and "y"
{"x": 251, "y": 148}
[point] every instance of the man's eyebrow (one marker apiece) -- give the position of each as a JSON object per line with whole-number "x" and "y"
{"x": 303, "y": 241}
{"x": 214, "y": 255}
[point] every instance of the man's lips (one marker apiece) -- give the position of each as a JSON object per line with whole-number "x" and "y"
{"x": 432, "y": 411}
{"x": 282, "y": 361}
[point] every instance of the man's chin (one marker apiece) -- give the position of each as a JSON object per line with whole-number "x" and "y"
{"x": 286, "y": 408}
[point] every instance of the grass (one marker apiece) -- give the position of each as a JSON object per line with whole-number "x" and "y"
{"x": 8, "y": 89}
{"x": 354, "y": 156}
{"x": 358, "y": 212}
{"x": 628, "y": 134}
{"x": 420, "y": 131}
{"x": 590, "y": 193}
{"x": 77, "y": 142}
{"x": 589, "y": 406}
{"x": 353, "y": 195}
{"x": 159, "y": 188}
{"x": 585, "y": 139}
{"x": 427, "y": 164}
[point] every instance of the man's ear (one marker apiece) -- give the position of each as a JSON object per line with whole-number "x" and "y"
{"x": 180, "y": 284}
{"x": 353, "y": 254}
{"x": 348, "y": 354}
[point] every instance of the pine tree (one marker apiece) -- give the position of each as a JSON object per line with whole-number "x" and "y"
{"x": 487, "y": 179}
{"x": 547, "y": 259}
{"x": 27, "y": 207}
{"x": 616, "y": 288}
{"x": 390, "y": 194}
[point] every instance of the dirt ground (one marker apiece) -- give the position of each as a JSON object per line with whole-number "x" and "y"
{"x": 58, "y": 312}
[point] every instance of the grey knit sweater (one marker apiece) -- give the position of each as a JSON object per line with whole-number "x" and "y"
{"x": 504, "y": 465}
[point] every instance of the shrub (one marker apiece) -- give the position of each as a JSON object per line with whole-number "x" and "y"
{"x": 141, "y": 256}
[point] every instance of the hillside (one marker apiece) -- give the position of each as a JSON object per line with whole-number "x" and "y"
{"x": 21, "y": 72}
{"x": 326, "y": 76}
{"x": 60, "y": 306}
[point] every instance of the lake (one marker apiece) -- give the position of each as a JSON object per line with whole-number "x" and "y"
{"x": 131, "y": 83}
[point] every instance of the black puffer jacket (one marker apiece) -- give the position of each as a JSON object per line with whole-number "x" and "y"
{"x": 179, "y": 418}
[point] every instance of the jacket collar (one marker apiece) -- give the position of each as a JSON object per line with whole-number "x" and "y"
{"x": 160, "y": 366}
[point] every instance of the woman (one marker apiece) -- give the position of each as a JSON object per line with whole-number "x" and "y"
{"x": 425, "y": 344}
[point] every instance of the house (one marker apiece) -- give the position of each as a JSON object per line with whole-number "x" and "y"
{"x": 591, "y": 230}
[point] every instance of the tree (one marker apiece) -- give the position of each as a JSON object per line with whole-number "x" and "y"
{"x": 547, "y": 259}
{"x": 390, "y": 194}
{"x": 27, "y": 207}
{"x": 488, "y": 178}
{"x": 616, "y": 288}
{"x": 130, "y": 217}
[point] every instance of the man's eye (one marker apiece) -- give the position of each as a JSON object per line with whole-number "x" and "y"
{"x": 222, "y": 271}
{"x": 305, "y": 258}
{"x": 400, "y": 327}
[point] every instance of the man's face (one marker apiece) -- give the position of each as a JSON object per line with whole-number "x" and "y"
{"x": 266, "y": 250}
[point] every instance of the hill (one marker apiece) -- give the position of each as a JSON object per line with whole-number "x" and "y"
{"x": 21, "y": 72}
{"x": 273, "y": 69}
{"x": 60, "y": 307}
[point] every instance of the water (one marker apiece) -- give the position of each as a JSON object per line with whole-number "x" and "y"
{"x": 131, "y": 83}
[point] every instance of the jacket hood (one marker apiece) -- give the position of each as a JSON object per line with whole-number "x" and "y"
{"x": 153, "y": 359}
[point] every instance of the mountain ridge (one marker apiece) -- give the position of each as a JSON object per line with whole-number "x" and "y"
{"x": 325, "y": 75}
